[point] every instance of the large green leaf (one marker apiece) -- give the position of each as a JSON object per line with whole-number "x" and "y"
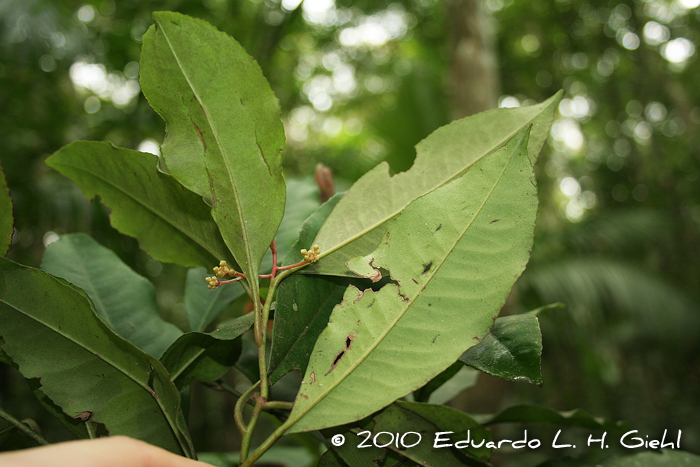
{"x": 204, "y": 305}
{"x": 455, "y": 254}
{"x": 665, "y": 458}
{"x": 125, "y": 300}
{"x": 356, "y": 225}
{"x": 50, "y": 330}
{"x": 197, "y": 356}
{"x": 6, "y": 220}
{"x": 304, "y": 304}
{"x": 224, "y": 134}
{"x": 512, "y": 350}
{"x": 171, "y": 223}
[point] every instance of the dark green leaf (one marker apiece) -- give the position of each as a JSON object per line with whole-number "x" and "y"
{"x": 204, "y": 305}
{"x": 6, "y": 219}
{"x": 224, "y": 134}
{"x": 171, "y": 223}
{"x": 304, "y": 304}
{"x": 424, "y": 419}
{"x": 512, "y": 350}
{"x": 196, "y": 356}
{"x": 84, "y": 367}
{"x": 125, "y": 300}
{"x": 539, "y": 414}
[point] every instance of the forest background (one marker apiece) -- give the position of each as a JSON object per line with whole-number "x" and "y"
{"x": 363, "y": 81}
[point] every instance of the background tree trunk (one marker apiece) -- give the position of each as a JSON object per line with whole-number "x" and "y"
{"x": 474, "y": 80}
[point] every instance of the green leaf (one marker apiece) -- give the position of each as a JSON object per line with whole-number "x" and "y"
{"x": 512, "y": 350}
{"x": 6, "y": 219}
{"x": 464, "y": 379}
{"x": 197, "y": 356}
{"x": 665, "y": 458}
{"x": 125, "y": 300}
{"x": 302, "y": 201}
{"x": 304, "y": 304}
{"x": 423, "y": 394}
{"x": 84, "y": 367}
{"x": 224, "y": 134}
{"x": 171, "y": 224}
{"x": 538, "y": 414}
{"x": 204, "y": 305}
{"x": 356, "y": 225}
{"x": 424, "y": 419}
{"x": 382, "y": 345}
{"x": 428, "y": 419}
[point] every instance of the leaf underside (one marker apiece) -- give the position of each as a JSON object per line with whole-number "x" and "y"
{"x": 356, "y": 225}
{"x": 224, "y": 134}
{"x": 454, "y": 255}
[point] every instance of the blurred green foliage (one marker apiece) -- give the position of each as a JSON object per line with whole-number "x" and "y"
{"x": 363, "y": 81}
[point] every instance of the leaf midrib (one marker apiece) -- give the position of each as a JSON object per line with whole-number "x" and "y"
{"x": 495, "y": 147}
{"x": 232, "y": 181}
{"x": 408, "y": 305}
{"x": 148, "y": 208}
{"x": 98, "y": 355}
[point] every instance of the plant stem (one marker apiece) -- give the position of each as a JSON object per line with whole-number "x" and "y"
{"x": 24, "y": 428}
{"x": 267, "y": 444}
{"x": 261, "y": 318}
{"x": 238, "y": 409}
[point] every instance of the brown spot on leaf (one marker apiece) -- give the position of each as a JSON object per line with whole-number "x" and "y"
{"x": 348, "y": 344}
{"x": 494, "y": 221}
{"x": 439, "y": 227}
{"x": 84, "y": 416}
{"x": 313, "y": 377}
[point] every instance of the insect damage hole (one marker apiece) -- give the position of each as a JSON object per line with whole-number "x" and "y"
{"x": 348, "y": 344}
{"x": 426, "y": 267}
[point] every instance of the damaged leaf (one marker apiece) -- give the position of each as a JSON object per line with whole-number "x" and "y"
{"x": 356, "y": 225}
{"x": 413, "y": 329}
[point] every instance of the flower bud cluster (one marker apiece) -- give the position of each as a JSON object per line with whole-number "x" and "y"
{"x": 311, "y": 256}
{"x": 224, "y": 270}
{"x": 213, "y": 282}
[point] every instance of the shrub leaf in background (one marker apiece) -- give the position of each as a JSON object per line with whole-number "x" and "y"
{"x": 204, "y": 305}
{"x": 512, "y": 350}
{"x": 381, "y": 345}
{"x": 304, "y": 303}
{"x": 197, "y": 356}
{"x": 125, "y": 300}
{"x": 357, "y": 223}
{"x": 171, "y": 223}
{"x": 85, "y": 368}
{"x": 224, "y": 134}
